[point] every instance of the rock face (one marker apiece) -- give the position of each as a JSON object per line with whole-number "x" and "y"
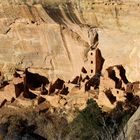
{"x": 53, "y": 38}
{"x": 33, "y": 37}
{"x": 118, "y": 32}
{"x": 55, "y": 55}
{"x": 131, "y": 130}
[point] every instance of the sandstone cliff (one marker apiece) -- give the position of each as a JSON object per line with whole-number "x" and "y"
{"x": 53, "y": 40}
{"x": 56, "y": 55}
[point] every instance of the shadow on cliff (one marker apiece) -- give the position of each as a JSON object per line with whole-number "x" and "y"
{"x": 57, "y": 15}
{"x": 34, "y": 80}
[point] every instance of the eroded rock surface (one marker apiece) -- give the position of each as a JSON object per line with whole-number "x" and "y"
{"x": 56, "y": 41}
{"x": 57, "y": 55}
